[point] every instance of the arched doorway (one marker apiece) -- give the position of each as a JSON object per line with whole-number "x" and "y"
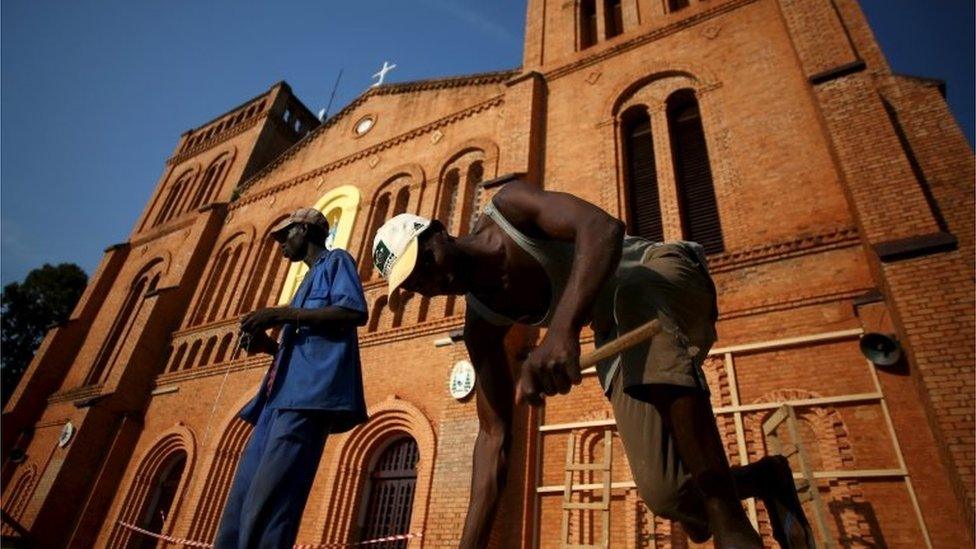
{"x": 158, "y": 504}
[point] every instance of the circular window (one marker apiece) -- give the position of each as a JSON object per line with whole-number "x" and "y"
{"x": 364, "y": 125}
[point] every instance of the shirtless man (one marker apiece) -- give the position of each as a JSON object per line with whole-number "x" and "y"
{"x": 551, "y": 259}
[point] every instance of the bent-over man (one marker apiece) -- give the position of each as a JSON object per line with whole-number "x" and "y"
{"x": 551, "y": 259}
{"x": 313, "y": 388}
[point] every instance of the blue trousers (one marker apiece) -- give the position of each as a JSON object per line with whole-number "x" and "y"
{"x": 275, "y": 474}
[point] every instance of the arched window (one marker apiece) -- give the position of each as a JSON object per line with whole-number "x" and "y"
{"x": 264, "y": 273}
{"x": 380, "y": 210}
{"x": 472, "y": 196}
{"x": 613, "y": 18}
{"x": 213, "y": 178}
{"x": 693, "y": 173}
{"x": 402, "y": 199}
{"x": 448, "y": 198}
{"x": 221, "y": 284}
{"x": 643, "y": 201}
{"x": 228, "y": 283}
{"x": 460, "y": 193}
{"x": 17, "y": 497}
{"x": 119, "y": 332}
{"x": 177, "y": 190}
{"x": 587, "y": 23}
{"x": 389, "y": 495}
{"x": 159, "y": 501}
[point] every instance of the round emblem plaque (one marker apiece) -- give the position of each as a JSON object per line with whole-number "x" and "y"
{"x": 462, "y": 379}
{"x": 66, "y": 433}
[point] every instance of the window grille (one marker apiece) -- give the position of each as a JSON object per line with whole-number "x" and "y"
{"x": 693, "y": 173}
{"x": 642, "y": 192}
{"x": 390, "y": 498}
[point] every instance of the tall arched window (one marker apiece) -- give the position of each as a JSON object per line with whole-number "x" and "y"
{"x": 264, "y": 273}
{"x": 213, "y": 177}
{"x": 613, "y": 17}
{"x": 389, "y": 495}
{"x": 177, "y": 191}
{"x": 402, "y": 199}
{"x": 448, "y": 199}
{"x": 587, "y": 23}
{"x": 643, "y": 201}
{"x": 220, "y": 286}
{"x": 693, "y": 173}
{"x": 472, "y": 196}
{"x": 17, "y": 497}
{"x": 122, "y": 327}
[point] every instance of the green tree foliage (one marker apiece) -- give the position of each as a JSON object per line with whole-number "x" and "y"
{"x": 28, "y": 309}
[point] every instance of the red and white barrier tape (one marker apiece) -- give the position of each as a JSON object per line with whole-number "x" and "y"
{"x": 191, "y": 543}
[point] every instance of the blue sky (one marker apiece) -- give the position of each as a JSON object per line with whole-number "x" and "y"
{"x": 93, "y": 95}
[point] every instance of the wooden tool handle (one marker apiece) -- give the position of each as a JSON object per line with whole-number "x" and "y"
{"x": 622, "y": 343}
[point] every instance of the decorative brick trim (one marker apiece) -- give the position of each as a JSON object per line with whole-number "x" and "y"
{"x": 835, "y": 238}
{"x": 203, "y": 328}
{"x": 792, "y": 304}
{"x": 915, "y": 246}
{"x": 215, "y": 140}
{"x": 181, "y": 221}
{"x": 77, "y": 393}
{"x": 212, "y": 370}
{"x": 408, "y": 332}
{"x": 650, "y": 36}
{"x": 402, "y": 138}
{"x": 406, "y": 87}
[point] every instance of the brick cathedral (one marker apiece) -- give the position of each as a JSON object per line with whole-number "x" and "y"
{"x": 835, "y": 199}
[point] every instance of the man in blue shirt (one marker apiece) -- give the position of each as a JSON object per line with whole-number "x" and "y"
{"x": 314, "y": 387}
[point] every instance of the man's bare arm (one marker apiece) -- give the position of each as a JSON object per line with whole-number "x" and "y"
{"x": 322, "y": 317}
{"x": 485, "y": 343}
{"x": 598, "y": 239}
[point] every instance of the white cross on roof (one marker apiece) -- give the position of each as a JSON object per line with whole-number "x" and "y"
{"x": 382, "y": 74}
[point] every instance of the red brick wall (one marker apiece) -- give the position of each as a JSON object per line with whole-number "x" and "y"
{"x": 810, "y": 179}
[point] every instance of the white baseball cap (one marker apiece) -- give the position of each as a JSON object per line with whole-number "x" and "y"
{"x": 395, "y": 247}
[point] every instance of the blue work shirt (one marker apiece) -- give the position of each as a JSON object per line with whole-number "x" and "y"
{"x": 319, "y": 368}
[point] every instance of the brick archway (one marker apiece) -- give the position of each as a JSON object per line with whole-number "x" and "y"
{"x": 388, "y": 419}
{"x": 176, "y": 440}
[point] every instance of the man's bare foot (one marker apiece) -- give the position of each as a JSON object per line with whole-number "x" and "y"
{"x": 741, "y": 539}
{"x": 731, "y": 527}
{"x": 698, "y": 533}
{"x": 778, "y": 493}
